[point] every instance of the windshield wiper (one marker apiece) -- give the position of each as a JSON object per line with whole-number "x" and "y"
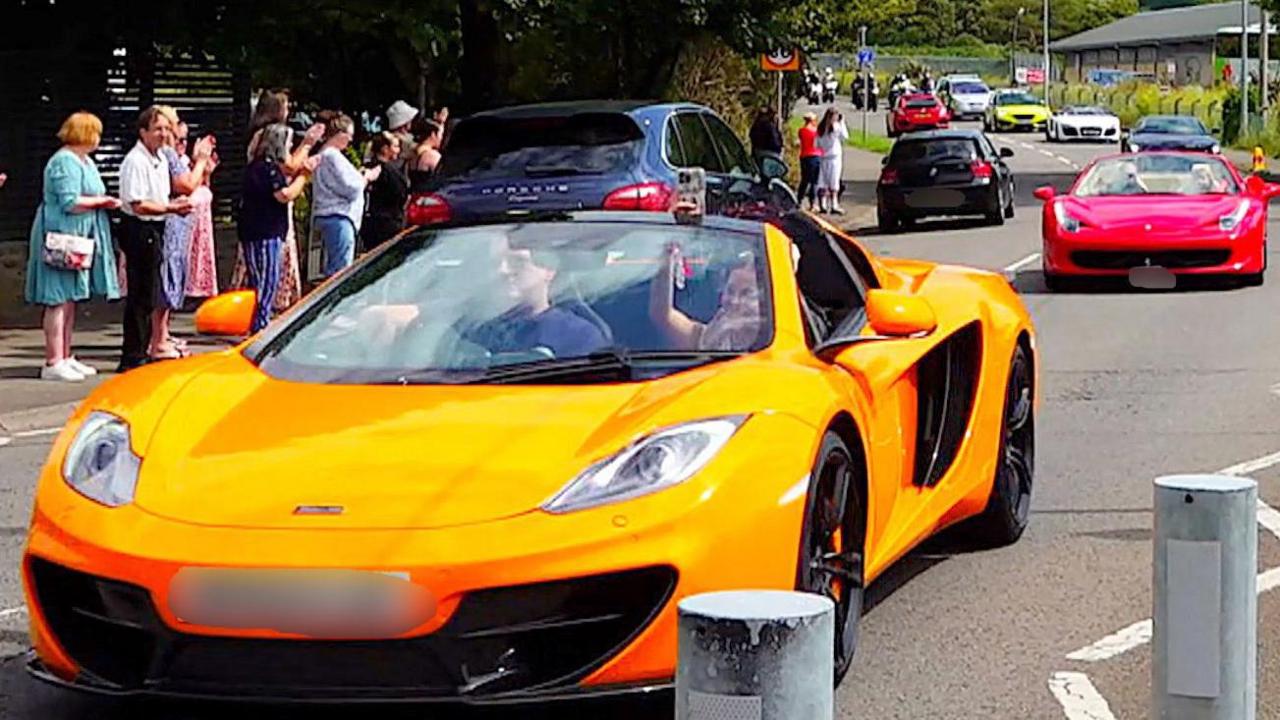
{"x": 552, "y": 170}
{"x": 606, "y": 365}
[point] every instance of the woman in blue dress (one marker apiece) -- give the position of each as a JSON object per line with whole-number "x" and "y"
{"x": 74, "y": 202}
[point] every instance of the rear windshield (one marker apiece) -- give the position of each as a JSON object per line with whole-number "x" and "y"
{"x": 922, "y": 103}
{"x": 580, "y": 144}
{"x": 947, "y": 148}
{"x": 969, "y": 89}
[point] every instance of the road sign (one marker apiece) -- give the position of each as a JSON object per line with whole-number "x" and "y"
{"x": 781, "y": 60}
{"x": 866, "y": 56}
{"x": 1035, "y": 76}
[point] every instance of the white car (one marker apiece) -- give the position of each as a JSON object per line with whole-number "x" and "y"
{"x": 966, "y": 96}
{"x": 1083, "y": 122}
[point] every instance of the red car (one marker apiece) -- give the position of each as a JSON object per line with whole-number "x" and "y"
{"x": 918, "y": 111}
{"x": 1156, "y": 214}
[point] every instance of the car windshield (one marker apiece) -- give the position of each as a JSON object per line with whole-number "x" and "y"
{"x": 969, "y": 88}
{"x": 1159, "y": 175}
{"x": 933, "y": 150}
{"x": 472, "y": 304}
{"x": 1173, "y": 125}
{"x": 1084, "y": 111}
{"x": 926, "y": 102}
{"x": 582, "y": 144}
{"x": 1017, "y": 98}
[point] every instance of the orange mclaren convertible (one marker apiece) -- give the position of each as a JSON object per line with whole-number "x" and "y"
{"x": 485, "y": 462}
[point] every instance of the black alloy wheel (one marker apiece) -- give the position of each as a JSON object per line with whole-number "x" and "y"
{"x": 1009, "y": 506}
{"x": 831, "y": 544}
{"x": 1008, "y": 208}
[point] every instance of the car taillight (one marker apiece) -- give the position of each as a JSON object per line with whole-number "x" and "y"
{"x": 888, "y": 176}
{"x": 981, "y": 169}
{"x": 428, "y": 209}
{"x": 654, "y": 196}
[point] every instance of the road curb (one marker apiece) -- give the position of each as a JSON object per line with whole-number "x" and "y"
{"x": 37, "y": 418}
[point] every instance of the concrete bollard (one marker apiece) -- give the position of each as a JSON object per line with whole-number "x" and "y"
{"x": 755, "y": 655}
{"x": 1204, "y": 588}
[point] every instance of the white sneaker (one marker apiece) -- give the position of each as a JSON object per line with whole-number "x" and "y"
{"x": 80, "y": 367}
{"x": 62, "y": 371}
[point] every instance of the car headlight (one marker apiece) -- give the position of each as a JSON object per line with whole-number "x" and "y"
{"x": 100, "y": 463}
{"x": 658, "y": 461}
{"x": 1134, "y": 146}
{"x": 1216, "y": 149}
{"x": 1230, "y": 222}
{"x": 1066, "y": 220}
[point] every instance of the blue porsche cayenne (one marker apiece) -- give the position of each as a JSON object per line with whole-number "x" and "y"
{"x": 594, "y": 155}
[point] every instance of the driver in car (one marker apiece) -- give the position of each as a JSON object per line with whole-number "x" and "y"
{"x": 1127, "y": 182}
{"x": 532, "y": 323}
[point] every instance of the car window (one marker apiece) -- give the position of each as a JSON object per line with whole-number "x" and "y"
{"x": 1157, "y": 174}
{"x": 832, "y": 289}
{"x": 699, "y": 148}
{"x": 579, "y": 144}
{"x": 922, "y": 103}
{"x": 453, "y": 305}
{"x": 675, "y": 152}
{"x": 1176, "y": 125}
{"x": 969, "y": 88}
{"x": 1017, "y": 98}
{"x": 985, "y": 143}
{"x": 735, "y": 155}
{"x": 933, "y": 149}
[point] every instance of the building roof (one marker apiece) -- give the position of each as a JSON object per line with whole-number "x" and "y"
{"x": 1194, "y": 22}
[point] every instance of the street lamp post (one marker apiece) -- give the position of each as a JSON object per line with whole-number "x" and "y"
{"x": 1046, "y": 53}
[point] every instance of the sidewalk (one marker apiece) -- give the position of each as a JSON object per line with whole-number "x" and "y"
{"x": 28, "y": 403}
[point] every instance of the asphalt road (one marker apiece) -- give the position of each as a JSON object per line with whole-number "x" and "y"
{"x": 1137, "y": 384}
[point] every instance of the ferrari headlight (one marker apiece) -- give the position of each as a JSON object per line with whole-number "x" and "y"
{"x": 1230, "y": 222}
{"x": 661, "y": 460}
{"x": 1066, "y": 221}
{"x": 100, "y": 463}
{"x": 1216, "y": 149}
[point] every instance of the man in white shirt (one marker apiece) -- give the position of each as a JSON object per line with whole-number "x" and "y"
{"x": 145, "y": 191}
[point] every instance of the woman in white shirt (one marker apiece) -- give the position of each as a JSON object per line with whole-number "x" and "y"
{"x": 832, "y": 133}
{"x": 337, "y": 190}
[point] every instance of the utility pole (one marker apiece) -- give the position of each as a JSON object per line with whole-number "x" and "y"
{"x": 1046, "y": 53}
{"x": 1264, "y": 56}
{"x": 1013, "y": 48}
{"x": 1244, "y": 68}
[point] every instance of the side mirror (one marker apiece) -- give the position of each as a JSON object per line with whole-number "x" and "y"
{"x": 884, "y": 160}
{"x": 1006, "y": 152}
{"x": 1270, "y": 190}
{"x": 773, "y": 167}
{"x": 1045, "y": 193}
{"x": 230, "y": 313}
{"x": 895, "y": 314}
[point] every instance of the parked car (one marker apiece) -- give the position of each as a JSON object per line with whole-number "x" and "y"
{"x": 1013, "y": 109}
{"x": 966, "y": 96}
{"x": 1083, "y": 122}
{"x": 944, "y": 172}
{"x": 917, "y": 111}
{"x": 1184, "y": 213}
{"x": 1170, "y": 132}
{"x": 612, "y": 155}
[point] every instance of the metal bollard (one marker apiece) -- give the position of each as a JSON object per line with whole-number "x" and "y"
{"x": 1204, "y": 641}
{"x": 755, "y": 655}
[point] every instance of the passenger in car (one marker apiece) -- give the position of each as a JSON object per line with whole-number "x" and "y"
{"x": 736, "y": 324}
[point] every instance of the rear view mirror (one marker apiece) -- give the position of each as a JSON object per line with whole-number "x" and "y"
{"x": 772, "y": 167}
{"x": 1045, "y": 193}
{"x": 230, "y": 313}
{"x": 1006, "y": 152}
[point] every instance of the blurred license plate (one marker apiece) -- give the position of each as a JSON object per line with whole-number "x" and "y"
{"x": 1152, "y": 277}
{"x": 936, "y": 198}
{"x": 316, "y": 603}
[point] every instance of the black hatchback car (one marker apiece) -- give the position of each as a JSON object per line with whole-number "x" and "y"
{"x": 944, "y": 173}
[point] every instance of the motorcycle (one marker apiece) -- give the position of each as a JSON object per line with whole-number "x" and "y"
{"x": 859, "y": 94}
{"x": 829, "y": 87}
{"x": 814, "y": 89}
{"x": 901, "y": 86}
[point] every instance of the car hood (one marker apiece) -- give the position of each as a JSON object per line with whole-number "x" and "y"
{"x": 1172, "y": 140}
{"x": 237, "y": 448}
{"x": 1013, "y": 109}
{"x": 1161, "y": 212}
{"x": 1086, "y": 119}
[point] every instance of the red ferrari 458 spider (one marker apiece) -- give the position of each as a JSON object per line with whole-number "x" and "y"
{"x": 1171, "y": 213}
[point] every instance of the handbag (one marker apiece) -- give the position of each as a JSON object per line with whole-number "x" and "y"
{"x": 66, "y": 251}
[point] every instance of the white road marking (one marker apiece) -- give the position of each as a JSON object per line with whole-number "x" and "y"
{"x": 1065, "y": 161}
{"x": 1115, "y": 644}
{"x": 1275, "y": 389}
{"x": 1080, "y": 700}
{"x": 1269, "y": 518}
{"x": 1250, "y": 466}
{"x": 5, "y": 441}
{"x": 1026, "y": 145}
{"x": 37, "y": 433}
{"x": 12, "y": 611}
{"x": 1022, "y": 263}
{"x": 1046, "y": 153}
